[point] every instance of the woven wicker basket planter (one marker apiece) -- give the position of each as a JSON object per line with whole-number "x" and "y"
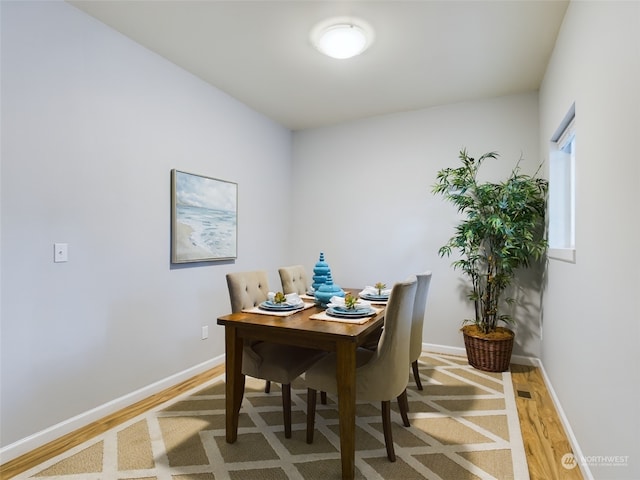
{"x": 488, "y": 354}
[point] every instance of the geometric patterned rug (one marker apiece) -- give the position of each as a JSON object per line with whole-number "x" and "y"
{"x": 464, "y": 426}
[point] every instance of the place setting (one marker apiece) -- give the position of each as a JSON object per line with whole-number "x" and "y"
{"x": 347, "y": 309}
{"x": 376, "y": 294}
{"x": 280, "y": 304}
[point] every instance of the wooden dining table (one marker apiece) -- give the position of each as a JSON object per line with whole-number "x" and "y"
{"x": 299, "y": 329}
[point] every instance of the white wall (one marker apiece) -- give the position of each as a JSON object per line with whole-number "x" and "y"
{"x": 363, "y": 196}
{"x": 92, "y": 124}
{"x": 591, "y": 325}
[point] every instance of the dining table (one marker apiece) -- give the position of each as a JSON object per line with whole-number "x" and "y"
{"x": 308, "y": 327}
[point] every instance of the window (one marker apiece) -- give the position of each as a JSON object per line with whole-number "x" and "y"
{"x": 562, "y": 190}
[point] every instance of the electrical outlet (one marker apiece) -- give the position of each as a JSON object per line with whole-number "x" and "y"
{"x": 60, "y": 252}
{"x": 205, "y": 332}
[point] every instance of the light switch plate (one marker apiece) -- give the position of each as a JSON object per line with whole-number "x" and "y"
{"x": 60, "y": 252}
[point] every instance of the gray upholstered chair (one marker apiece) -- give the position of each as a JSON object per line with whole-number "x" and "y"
{"x": 381, "y": 375}
{"x": 294, "y": 279}
{"x": 417, "y": 322}
{"x": 269, "y": 361}
{"x": 419, "y": 309}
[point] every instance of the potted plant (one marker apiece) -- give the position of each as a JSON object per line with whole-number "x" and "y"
{"x": 501, "y": 232}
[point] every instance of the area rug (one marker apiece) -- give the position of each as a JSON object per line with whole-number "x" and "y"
{"x": 464, "y": 426}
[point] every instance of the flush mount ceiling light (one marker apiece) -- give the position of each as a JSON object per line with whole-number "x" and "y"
{"x": 342, "y": 37}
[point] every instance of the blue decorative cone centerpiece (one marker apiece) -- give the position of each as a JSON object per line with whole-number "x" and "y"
{"x": 327, "y": 290}
{"x": 320, "y": 272}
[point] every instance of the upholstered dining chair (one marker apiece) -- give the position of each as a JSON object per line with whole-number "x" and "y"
{"x": 381, "y": 375}
{"x": 417, "y": 322}
{"x": 294, "y": 279}
{"x": 265, "y": 360}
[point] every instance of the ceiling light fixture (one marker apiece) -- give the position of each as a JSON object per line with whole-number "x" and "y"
{"x": 342, "y": 37}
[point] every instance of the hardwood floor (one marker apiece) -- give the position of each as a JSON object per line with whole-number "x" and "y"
{"x": 545, "y": 441}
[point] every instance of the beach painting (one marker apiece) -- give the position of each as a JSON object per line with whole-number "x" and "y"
{"x": 204, "y": 218}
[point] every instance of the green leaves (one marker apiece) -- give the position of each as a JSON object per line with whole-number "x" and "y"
{"x": 503, "y": 230}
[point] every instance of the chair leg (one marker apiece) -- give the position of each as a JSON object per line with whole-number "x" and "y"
{"x": 267, "y": 387}
{"x": 323, "y": 398}
{"x": 403, "y": 404}
{"x": 311, "y": 413}
{"x": 416, "y": 374}
{"x": 386, "y": 427}
{"x": 286, "y": 409}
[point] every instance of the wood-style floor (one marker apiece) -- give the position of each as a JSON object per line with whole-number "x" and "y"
{"x": 545, "y": 441}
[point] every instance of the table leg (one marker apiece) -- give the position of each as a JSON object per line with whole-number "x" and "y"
{"x": 346, "y": 378}
{"x": 234, "y": 386}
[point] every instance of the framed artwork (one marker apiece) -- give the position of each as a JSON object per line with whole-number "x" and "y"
{"x": 204, "y": 218}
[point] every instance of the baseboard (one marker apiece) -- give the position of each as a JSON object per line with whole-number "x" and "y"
{"x": 460, "y": 351}
{"x": 444, "y": 349}
{"x": 536, "y": 362}
{"x": 54, "y": 432}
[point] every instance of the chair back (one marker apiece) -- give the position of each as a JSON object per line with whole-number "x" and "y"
{"x": 384, "y": 376}
{"x": 294, "y": 279}
{"x": 419, "y": 309}
{"x": 247, "y": 289}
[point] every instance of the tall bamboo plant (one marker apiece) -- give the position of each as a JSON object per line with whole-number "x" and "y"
{"x": 502, "y": 230}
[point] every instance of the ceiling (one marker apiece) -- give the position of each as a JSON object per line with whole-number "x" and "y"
{"x": 425, "y": 53}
